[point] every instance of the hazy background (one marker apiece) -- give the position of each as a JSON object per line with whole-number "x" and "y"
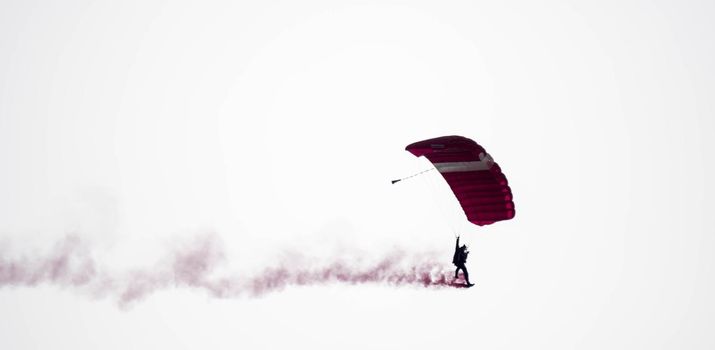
{"x": 277, "y": 125}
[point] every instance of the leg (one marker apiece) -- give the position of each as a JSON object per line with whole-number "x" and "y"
{"x": 466, "y": 277}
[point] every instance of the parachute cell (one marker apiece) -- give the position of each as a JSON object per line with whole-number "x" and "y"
{"x": 476, "y": 180}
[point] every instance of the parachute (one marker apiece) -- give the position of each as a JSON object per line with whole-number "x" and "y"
{"x": 476, "y": 180}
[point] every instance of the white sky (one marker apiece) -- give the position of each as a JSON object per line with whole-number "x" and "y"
{"x": 278, "y": 125}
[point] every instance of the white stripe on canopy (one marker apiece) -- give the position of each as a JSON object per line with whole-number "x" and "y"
{"x": 484, "y": 164}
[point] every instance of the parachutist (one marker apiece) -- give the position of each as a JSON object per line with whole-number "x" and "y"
{"x": 460, "y": 259}
{"x": 477, "y": 181}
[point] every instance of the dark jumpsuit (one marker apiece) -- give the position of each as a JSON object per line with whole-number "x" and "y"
{"x": 460, "y": 259}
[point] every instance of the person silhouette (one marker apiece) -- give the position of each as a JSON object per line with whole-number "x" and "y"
{"x": 460, "y": 259}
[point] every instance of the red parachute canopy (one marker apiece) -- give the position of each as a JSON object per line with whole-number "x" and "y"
{"x": 476, "y": 180}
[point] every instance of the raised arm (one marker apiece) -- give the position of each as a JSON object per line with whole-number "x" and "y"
{"x": 456, "y": 245}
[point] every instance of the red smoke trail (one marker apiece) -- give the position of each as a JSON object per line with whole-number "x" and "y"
{"x": 70, "y": 265}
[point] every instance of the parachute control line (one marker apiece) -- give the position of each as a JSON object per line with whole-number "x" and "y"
{"x": 413, "y": 175}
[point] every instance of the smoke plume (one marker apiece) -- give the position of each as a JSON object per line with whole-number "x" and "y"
{"x": 70, "y": 265}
